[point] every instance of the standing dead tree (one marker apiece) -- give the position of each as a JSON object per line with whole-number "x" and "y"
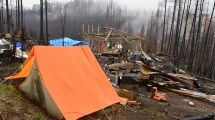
{"x": 197, "y": 49}
{"x": 46, "y": 11}
{"x": 204, "y": 57}
{"x": 21, "y": 3}
{"x": 191, "y": 40}
{"x": 182, "y": 47}
{"x": 169, "y": 46}
{"x": 41, "y": 22}
{"x": 1, "y": 17}
{"x": 177, "y": 35}
{"x": 63, "y": 15}
{"x": 8, "y": 16}
{"x": 18, "y": 14}
{"x": 164, "y": 25}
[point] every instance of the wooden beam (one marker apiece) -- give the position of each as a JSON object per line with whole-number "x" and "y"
{"x": 98, "y": 30}
{"x": 108, "y": 35}
{"x": 88, "y": 29}
{"x": 124, "y": 32}
{"x": 122, "y": 36}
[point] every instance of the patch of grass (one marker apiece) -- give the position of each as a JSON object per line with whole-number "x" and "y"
{"x": 8, "y": 90}
{"x": 37, "y": 115}
{"x": 30, "y": 110}
{"x": 13, "y": 99}
{"x": 40, "y": 116}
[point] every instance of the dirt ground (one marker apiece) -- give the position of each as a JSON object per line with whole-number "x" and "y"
{"x": 176, "y": 107}
{"x": 14, "y": 106}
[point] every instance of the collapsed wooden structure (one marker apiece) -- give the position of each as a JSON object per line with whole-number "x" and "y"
{"x": 109, "y": 39}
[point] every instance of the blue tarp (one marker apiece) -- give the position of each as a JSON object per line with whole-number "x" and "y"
{"x": 67, "y": 42}
{"x": 21, "y": 46}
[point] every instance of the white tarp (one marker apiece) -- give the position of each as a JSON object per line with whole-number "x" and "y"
{"x": 5, "y": 45}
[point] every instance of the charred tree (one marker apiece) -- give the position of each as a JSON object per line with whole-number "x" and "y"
{"x": 192, "y": 39}
{"x": 21, "y": 7}
{"x": 167, "y": 31}
{"x": 177, "y": 35}
{"x": 46, "y": 11}
{"x": 8, "y": 16}
{"x": 164, "y": 25}
{"x": 206, "y": 40}
{"x": 63, "y": 15}
{"x": 156, "y": 30}
{"x": 172, "y": 28}
{"x": 1, "y": 19}
{"x": 182, "y": 51}
{"x": 180, "y": 29}
{"x": 18, "y": 13}
{"x": 41, "y": 22}
{"x": 197, "y": 46}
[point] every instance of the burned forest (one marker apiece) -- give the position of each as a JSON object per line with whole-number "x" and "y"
{"x": 107, "y": 59}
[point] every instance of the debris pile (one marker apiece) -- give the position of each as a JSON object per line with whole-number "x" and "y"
{"x": 154, "y": 72}
{"x": 12, "y": 46}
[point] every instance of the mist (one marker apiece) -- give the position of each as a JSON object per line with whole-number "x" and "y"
{"x": 87, "y": 12}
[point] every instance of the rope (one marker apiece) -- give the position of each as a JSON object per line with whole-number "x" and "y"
{"x": 11, "y": 74}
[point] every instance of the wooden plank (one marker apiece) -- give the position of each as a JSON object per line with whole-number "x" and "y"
{"x": 108, "y": 35}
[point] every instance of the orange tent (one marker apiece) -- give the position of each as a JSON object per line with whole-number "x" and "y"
{"x": 73, "y": 79}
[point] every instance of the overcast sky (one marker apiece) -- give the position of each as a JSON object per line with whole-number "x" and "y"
{"x": 131, "y": 4}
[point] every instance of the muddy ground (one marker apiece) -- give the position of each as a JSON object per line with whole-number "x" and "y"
{"x": 14, "y": 106}
{"x": 177, "y": 107}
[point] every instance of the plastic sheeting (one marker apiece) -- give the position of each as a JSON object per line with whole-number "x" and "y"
{"x": 67, "y": 42}
{"x": 5, "y": 45}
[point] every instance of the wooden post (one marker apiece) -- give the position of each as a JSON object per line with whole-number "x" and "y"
{"x": 154, "y": 92}
{"x": 83, "y": 28}
{"x": 92, "y": 29}
{"x": 98, "y": 30}
{"x": 137, "y": 45}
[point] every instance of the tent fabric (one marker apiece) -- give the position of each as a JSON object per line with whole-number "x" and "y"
{"x": 67, "y": 42}
{"x": 74, "y": 79}
{"x": 34, "y": 88}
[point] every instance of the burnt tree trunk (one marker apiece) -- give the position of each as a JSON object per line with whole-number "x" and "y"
{"x": 164, "y": 25}
{"x": 41, "y": 22}
{"x": 46, "y": 10}
{"x": 182, "y": 51}
{"x": 8, "y": 16}
{"x": 172, "y": 28}
{"x": 206, "y": 40}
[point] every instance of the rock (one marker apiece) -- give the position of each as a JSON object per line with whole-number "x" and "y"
{"x": 191, "y": 103}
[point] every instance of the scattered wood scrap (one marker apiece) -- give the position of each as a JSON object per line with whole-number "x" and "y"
{"x": 197, "y": 95}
